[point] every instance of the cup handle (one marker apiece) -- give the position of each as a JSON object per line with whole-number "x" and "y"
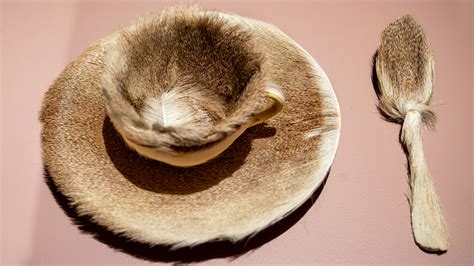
{"x": 276, "y": 95}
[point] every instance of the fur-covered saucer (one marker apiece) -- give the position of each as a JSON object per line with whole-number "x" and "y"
{"x": 177, "y": 84}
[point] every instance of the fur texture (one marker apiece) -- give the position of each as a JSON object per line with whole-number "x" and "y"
{"x": 405, "y": 71}
{"x": 268, "y": 172}
{"x": 182, "y": 65}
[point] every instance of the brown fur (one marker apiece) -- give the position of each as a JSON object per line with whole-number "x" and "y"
{"x": 269, "y": 171}
{"x": 405, "y": 59}
{"x": 184, "y": 49}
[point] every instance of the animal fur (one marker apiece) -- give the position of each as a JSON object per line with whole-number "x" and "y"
{"x": 269, "y": 171}
{"x": 405, "y": 71}
{"x": 182, "y": 81}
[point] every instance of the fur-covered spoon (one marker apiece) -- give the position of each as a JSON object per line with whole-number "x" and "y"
{"x": 405, "y": 73}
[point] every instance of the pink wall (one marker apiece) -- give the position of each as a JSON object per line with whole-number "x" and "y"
{"x": 362, "y": 215}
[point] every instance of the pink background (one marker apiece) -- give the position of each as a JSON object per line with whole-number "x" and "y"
{"x": 362, "y": 215}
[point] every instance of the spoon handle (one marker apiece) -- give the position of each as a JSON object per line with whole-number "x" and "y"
{"x": 429, "y": 228}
